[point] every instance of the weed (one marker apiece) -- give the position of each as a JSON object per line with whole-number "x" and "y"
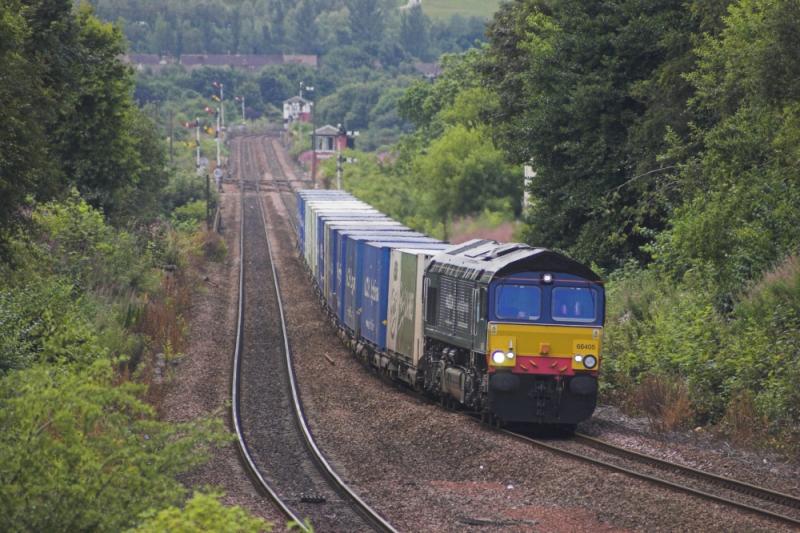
{"x": 665, "y": 402}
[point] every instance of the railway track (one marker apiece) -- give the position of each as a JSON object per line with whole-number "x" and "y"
{"x": 277, "y": 447}
{"x": 783, "y": 508}
{"x": 777, "y": 506}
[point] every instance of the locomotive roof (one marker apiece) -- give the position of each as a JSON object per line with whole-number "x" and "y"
{"x": 483, "y": 260}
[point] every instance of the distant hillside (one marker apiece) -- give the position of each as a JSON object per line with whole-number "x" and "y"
{"x": 467, "y": 8}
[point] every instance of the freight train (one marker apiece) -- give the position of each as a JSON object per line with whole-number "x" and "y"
{"x": 508, "y": 331}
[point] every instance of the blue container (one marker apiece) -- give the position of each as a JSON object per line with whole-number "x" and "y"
{"x": 305, "y": 195}
{"x": 326, "y": 218}
{"x": 314, "y": 210}
{"x": 331, "y": 251}
{"x": 374, "y": 287}
{"x": 339, "y": 272}
{"x": 352, "y": 282}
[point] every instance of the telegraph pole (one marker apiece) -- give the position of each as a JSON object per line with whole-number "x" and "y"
{"x": 218, "y": 135}
{"x": 313, "y": 133}
{"x": 197, "y": 138}
{"x": 171, "y": 135}
{"x": 221, "y": 100}
{"x": 222, "y": 113}
{"x": 241, "y": 99}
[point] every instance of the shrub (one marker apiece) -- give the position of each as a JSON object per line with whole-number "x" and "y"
{"x": 80, "y": 452}
{"x": 188, "y": 217}
{"x": 665, "y": 401}
{"x": 43, "y": 321}
{"x": 203, "y": 512}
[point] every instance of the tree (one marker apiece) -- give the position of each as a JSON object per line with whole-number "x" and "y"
{"x": 367, "y": 21}
{"x": 462, "y": 173}
{"x": 301, "y": 26}
{"x": 742, "y": 187}
{"x": 589, "y": 92}
{"x": 78, "y": 452}
{"x": 98, "y": 150}
{"x": 414, "y": 32}
{"x": 24, "y": 167}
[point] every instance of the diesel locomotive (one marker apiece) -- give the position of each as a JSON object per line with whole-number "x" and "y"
{"x": 505, "y": 330}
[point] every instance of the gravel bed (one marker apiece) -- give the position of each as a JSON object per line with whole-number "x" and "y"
{"x": 267, "y": 413}
{"x": 200, "y": 382}
{"x": 427, "y": 469}
{"x": 675, "y": 476}
{"x": 698, "y": 449}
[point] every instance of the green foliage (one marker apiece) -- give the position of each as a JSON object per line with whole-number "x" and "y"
{"x": 307, "y": 26}
{"x": 461, "y": 173}
{"x": 79, "y": 452}
{"x": 450, "y": 167}
{"x": 188, "y": 217}
{"x": 43, "y": 322}
{"x": 71, "y": 119}
{"x": 656, "y": 327}
{"x": 575, "y": 79}
{"x": 740, "y": 216}
{"x": 203, "y": 512}
{"x": 73, "y": 241}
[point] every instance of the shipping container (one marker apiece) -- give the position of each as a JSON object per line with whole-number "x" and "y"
{"x": 374, "y": 285}
{"x": 302, "y": 207}
{"x": 340, "y": 238}
{"x": 404, "y": 329}
{"x": 306, "y": 195}
{"x": 330, "y": 217}
{"x": 331, "y": 234}
{"x": 353, "y": 272}
{"x": 313, "y": 209}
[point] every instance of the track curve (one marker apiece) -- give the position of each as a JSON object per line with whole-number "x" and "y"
{"x": 299, "y": 476}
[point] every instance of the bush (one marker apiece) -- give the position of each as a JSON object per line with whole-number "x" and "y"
{"x": 43, "y": 321}
{"x": 739, "y": 370}
{"x": 203, "y": 512}
{"x": 81, "y": 452}
{"x": 189, "y": 217}
{"x": 665, "y": 401}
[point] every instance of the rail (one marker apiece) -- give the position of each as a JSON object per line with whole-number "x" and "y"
{"x": 664, "y": 482}
{"x": 370, "y": 516}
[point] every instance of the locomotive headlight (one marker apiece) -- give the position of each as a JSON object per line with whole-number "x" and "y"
{"x": 510, "y": 355}
{"x": 578, "y": 358}
{"x": 499, "y": 357}
{"x": 589, "y": 361}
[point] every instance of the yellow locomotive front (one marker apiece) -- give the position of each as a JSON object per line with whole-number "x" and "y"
{"x": 543, "y": 346}
{"x": 513, "y": 332}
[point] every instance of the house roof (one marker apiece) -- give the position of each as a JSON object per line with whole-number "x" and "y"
{"x": 223, "y": 60}
{"x": 297, "y": 99}
{"x": 327, "y": 130}
{"x": 144, "y": 59}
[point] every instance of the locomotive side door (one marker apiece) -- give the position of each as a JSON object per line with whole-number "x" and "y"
{"x": 480, "y": 320}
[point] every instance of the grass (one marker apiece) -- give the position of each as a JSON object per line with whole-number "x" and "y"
{"x": 442, "y": 9}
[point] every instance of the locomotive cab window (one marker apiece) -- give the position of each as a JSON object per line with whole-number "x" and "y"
{"x": 574, "y": 304}
{"x": 518, "y": 302}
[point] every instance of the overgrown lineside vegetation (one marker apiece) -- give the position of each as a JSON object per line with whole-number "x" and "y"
{"x": 665, "y": 139}
{"x": 100, "y": 239}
